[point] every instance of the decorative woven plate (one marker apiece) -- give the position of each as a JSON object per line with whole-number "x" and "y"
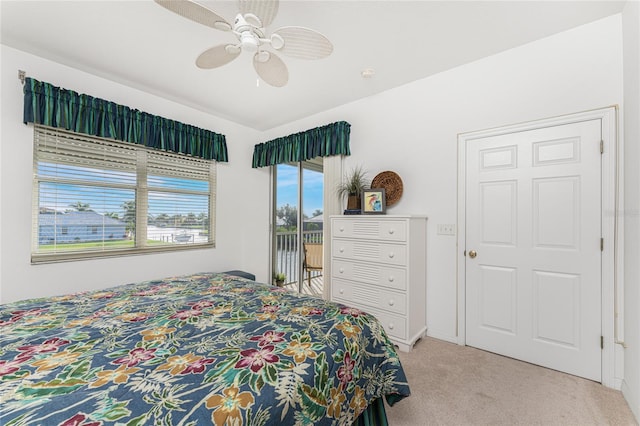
{"x": 392, "y": 185}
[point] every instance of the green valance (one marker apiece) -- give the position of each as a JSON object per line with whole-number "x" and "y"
{"x": 56, "y": 107}
{"x": 325, "y": 141}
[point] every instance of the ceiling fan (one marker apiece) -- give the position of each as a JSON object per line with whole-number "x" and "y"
{"x": 249, "y": 28}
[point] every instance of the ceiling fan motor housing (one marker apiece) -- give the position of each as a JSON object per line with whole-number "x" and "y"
{"x": 249, "y": 41}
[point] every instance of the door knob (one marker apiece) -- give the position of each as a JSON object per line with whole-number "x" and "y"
{"x": 473, "y": 254}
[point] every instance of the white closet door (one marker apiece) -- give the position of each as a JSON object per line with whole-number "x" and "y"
{"x": 533, "y": 220}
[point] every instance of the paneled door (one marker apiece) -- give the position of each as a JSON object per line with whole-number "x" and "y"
{"x": 533, "y": 241}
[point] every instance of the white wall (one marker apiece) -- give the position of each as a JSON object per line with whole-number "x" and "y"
{"x": 412, "y": 129}
{"x": 236, "y": 219}
{"x": 631, "y": 130}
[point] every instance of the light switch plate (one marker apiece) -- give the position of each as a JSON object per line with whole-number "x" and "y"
{"x": 446, "y": 229}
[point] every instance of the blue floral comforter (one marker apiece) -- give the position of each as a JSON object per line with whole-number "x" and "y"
{"x": 199, "y": 349}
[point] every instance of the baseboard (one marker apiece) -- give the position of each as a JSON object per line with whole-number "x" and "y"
{"x": 442, "y": 336}
{"x": 628, "y": 396}
{"x": 617, "y": 383}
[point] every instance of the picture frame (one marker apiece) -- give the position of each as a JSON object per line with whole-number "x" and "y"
{"x": 374, "y": 201}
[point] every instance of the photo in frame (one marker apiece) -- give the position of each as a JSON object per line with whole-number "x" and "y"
{"x": 373, "y": 201}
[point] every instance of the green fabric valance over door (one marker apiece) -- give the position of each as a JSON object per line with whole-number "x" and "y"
{"x": 61, "y": 108}
{"x": 325, "y": 141}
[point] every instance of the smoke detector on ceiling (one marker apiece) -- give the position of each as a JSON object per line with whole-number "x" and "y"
{"x": 368, "y": 73}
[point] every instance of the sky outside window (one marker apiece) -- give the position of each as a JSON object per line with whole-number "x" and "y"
{"x": 288, "y": 188}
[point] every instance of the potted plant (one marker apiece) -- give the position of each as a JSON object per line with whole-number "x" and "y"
{"x": 279, "y": 278}
{"x": 352, "y": 185}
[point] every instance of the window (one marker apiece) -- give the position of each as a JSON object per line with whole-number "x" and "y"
{"x": 96, "y": 197}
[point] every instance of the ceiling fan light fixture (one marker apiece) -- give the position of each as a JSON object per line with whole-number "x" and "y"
{"x": 262, "y": 56}
{"x": 277, "y": 42}
{"x": 249, "y": 42}
{"x": 253, "y": 20}
{"x": 222, "y": 26}
{"x": 232, "y": 49}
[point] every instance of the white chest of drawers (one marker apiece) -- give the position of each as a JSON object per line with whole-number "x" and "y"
{"x": 378, "y": 265}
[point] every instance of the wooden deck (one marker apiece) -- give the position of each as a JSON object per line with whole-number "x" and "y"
{"x": 316, "y": 289}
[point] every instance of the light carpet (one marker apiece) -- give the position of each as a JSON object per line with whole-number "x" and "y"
{"x": 458, "y": 385}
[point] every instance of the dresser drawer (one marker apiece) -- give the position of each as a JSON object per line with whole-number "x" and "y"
{"x": 373, "y": 297}
{"x": 394, "y": 325}
{"x": 385, "y": 230}
{"x": 394, "y": 254}
{"x": 370, "y": 273}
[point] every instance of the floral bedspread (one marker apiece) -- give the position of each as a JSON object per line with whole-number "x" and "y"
{"x": 199, "y": 349}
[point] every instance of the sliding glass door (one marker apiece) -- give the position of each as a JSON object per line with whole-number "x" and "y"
{"x": 297, "y": 224}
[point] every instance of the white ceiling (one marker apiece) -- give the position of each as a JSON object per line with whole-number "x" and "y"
{"x": 140, "y": 44}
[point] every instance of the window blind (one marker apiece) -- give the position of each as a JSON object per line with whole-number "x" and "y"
{"x": 96, "y": 197}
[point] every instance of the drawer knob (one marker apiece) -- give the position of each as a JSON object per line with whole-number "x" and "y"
{"x": 341, "y": 249}
{"x": 341, "y": 229}
{"x": 391, "y": 255}
{"x": 391, "y": 302}
{"x": 341, "y": 270}
{"x": 391, "y": 278}
{"x": 341, "y": 291}
{"x": 391, "y": 231}
{"x": 391, "y": 326}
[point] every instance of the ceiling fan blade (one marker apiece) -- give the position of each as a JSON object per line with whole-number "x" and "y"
{"x": 272, "y": 70}
{"x": 302, "y": 43}
{"x": 196, "y": 13}
{"x": 266, "y": 10}
{"x": 217, "y": 56}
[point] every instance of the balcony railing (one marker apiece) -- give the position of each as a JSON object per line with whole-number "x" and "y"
{"x": 288, "y": 252}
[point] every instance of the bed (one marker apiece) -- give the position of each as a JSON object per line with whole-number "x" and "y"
{"x": 210, "y": 348}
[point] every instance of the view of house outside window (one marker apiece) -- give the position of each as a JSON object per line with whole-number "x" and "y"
{"x": 97, "y": 196}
